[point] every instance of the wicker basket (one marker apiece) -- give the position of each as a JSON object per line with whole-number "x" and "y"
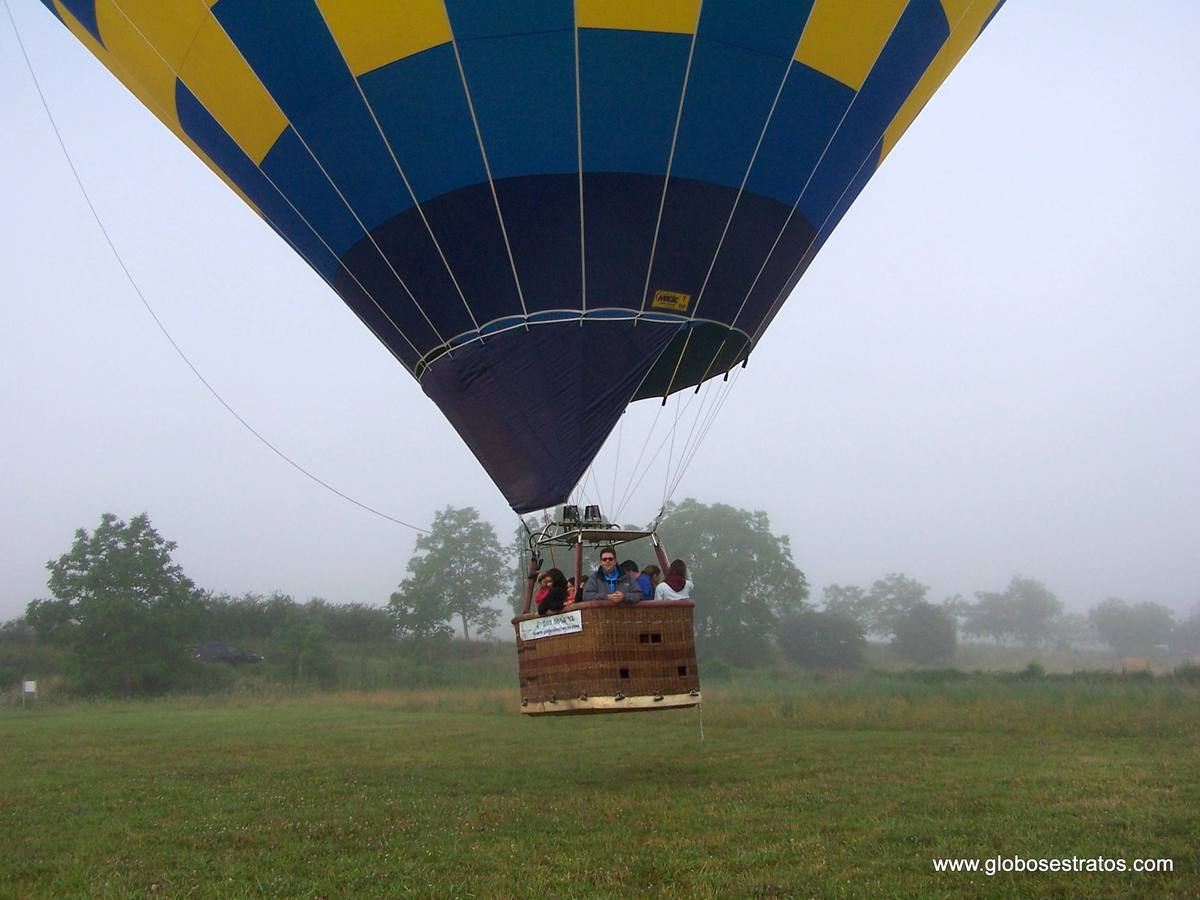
{"x": 600, "y": 657}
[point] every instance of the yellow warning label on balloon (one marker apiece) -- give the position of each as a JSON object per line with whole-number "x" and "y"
{"x": 672, "y": 300}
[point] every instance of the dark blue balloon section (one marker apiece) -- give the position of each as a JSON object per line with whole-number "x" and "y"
{"x": 516, "y": 383}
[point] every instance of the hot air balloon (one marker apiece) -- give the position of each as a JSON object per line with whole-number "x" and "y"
{"x": 545, "y": 210}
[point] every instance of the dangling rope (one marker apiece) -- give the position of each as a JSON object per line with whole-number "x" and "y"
{"x": 157, "y": 321}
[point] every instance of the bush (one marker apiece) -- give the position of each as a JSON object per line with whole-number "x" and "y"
{"x": 303, "y": 651}
{"x": 821, "y": 640}
{"x": 206, "y": 678}
{"x": 30, "y": 660}
{"x": 716, "y": 669}
{"x": 933, "y": 676}
{"x": 1035, "y": 671}
{"x": 926, "y": 634}
{"x": 1188, "y": 672}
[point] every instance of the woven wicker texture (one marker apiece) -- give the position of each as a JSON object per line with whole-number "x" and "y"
{"x": 641, "y": 650}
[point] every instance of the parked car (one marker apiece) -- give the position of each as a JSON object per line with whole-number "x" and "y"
{"x": 224, "y": 653}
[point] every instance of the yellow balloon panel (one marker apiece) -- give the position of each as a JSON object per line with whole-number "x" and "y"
{"x": 374, "y": 33}
{"x": 668, "y": 16}
{"x": 216, "y": 72}
{"x": 843, "y": 39}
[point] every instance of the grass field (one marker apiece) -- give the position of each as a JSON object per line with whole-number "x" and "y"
{"x": 816, "y": 788}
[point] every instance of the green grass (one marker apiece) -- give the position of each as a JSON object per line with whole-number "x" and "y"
{"x": 819, "y": 787}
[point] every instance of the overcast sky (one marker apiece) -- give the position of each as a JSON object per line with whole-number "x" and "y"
{"x": 991, "y": 369}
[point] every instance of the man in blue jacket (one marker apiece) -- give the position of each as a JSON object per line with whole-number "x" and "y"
{"x": 609, "y": 583}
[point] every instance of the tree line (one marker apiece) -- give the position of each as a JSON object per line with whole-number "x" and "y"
{"x": 128, "y": 619}
{"x": 1025, "y": 614}
{"x": 126, "y": 615}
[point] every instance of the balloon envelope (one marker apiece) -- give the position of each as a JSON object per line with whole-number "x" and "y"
{"x": 545, "y": 210}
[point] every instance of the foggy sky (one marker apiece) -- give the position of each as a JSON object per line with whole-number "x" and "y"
{"x": 990, "y": 369}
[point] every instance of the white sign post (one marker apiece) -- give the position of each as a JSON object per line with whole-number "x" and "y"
{"x": 28, "y": 689}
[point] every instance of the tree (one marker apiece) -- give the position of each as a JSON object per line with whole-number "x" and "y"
{"x": 122, "y": 607}
{"x": 354, "y": 623}
{"x": 458, "y": 566}
{"x": 926, "y": 634}
{"x": 851, "y": 601}
{"x": 518, "y": 553}
{"x": 1072, "y": 629}
{"x": 249, "y": 617}
{"x": 821, "y": 639}
{"x": 1186, "y": 638}
{"x": 1132, "y": 630}
{"x": 890, "y": 600}
{"x": 1026, "y": 612}
{"x": 307, "y": 651}
{"x": 744, "y": 576}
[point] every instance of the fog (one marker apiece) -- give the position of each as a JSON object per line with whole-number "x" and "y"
{"x": 990, "y": 369}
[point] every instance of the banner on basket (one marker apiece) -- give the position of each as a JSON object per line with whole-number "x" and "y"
{"x": 549, "y": 626}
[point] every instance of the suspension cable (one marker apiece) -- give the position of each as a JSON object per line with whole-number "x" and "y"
{"x": 157, "y": 321}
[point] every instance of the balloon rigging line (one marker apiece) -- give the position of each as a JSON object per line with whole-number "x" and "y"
{"x": 671, "y": 453}
{"x": 745, "y": 179}
{"x": 577, "y": 494}
{"x": 589, "y": 474}
{"x": 579, "y": 491}
{"x": 545, "y": 523}
{"x": 583, "y": 489}
{"x": 598, "y": 494}
{"x": 333, "y": 184}
{"x": 816, "y": 167}
{"x": 688, "y": 449}
{"x": 157, "y": 321}
{"x": 617, "y": 462}
{"x": 785, "y": 289}
{"x": 679, "y": 362}
{"x": 487, "y": 168}
{"x": 632, "y": 488}
{"x": 655, "y": 456}
{"x": 687, "y": 453}
{"x": 308, "y": 224}
{"x": 687, "y": 443}
{"x": 400, "y": 170}
{"x": 750, "y": 166}
{"x": 673, "y": 480}
{"x": 626, "y": 496}
{"x": 649, "y": 466}
{"x": 809, "y": 252}
{"x": 579, "y": 155}
{"x": 641, "y": 454}
{"x": 672, "y": 460}
{"x": 723, "y": 395}
{"x": 806, "y": 258}
{"x": 662, "y": 202}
